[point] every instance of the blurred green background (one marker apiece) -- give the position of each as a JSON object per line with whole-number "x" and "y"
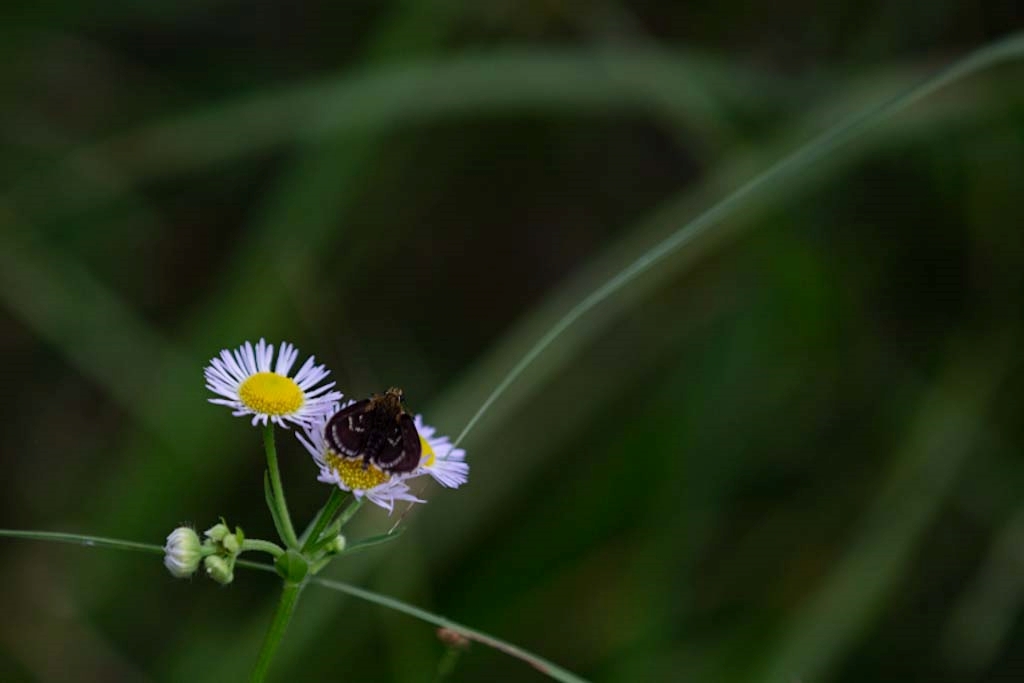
{"x": 789, "y": 452}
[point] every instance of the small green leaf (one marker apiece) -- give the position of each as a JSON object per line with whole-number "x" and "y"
{"x": 372, "y": 541}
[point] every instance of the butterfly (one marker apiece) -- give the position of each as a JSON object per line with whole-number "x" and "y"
{"x": 378, "y": 430}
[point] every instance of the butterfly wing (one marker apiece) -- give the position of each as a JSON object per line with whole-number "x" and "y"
{"x": 347, "y": 430}
{"x": 401, "y": 451}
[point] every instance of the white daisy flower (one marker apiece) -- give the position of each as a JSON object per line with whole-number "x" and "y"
{"x": 442, "y": 461}
{"x": 251, "y": 383}
{"x": 350, "y": 474}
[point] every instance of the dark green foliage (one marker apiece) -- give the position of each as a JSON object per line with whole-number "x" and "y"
{"x": 791, "y": 451}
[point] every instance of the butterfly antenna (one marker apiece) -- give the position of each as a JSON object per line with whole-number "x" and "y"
{"x": 401, "y": 517}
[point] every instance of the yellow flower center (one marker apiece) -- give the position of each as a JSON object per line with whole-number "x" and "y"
{"x": 271, "y": 394}
{"x": 352, "y": 474}
{"x": 427, "y": 451}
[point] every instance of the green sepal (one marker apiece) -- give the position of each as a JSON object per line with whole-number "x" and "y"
{"x": 292, "y": 566}
{"x": 218, "y": 531}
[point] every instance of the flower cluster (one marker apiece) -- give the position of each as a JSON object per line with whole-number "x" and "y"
{"x": 250, "y": 382}
{"x": 185, "y": 551}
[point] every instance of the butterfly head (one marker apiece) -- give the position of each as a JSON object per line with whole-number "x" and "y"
{"x": 391, "y": 401}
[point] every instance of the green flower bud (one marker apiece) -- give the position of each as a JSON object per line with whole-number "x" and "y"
{"x": 231, "y": 544}
{"x": 218, "y": 532}
{"x": 336, "y": 545}
{"x": 219, "y": 569}
{"x": 183, "y": 552}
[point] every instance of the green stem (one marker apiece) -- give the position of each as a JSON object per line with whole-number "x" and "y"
{"x": 287, "y": 531}
{"x": 542, "y": 665}
{"x": 335, "y": 528}
{"x": 371, "y": 541}
{"x": 757, "y": 188}
{"x": 283, "y": 614}
{"x": 327, "y": 512}
{"x": 352, "y": 509}
{"x": 257, "y": 545}
{"x": 80, "y": 539}
{"x": 316, "y": 566}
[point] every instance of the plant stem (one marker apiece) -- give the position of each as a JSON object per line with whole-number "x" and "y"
{"x": 79, "y": 539}
{"x": 262, "y": 547}
{"x": 351, "y": 510}
{"x": 287, "y": 531}
{"x": 327, "y": 512}
{"x": 283, "y": 614}
{"x": 335, "y": 528}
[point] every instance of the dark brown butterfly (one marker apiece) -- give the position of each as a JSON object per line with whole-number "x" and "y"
{"x": 378, "y": 430}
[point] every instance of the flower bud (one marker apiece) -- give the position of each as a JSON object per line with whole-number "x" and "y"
{"x": 219, "y": 569}
{"x": 336, "y": 545}
{"x": 231, "y": 544}
{"x": 218, "y": 532}
{"x": 183, "y": 552}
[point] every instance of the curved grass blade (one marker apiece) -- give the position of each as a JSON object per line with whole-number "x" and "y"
{"x": 81, "y": 539}
{"x": 542, "y": 665}
{"x": 1009, "y": 48}
{"x": 539, "y": 663}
